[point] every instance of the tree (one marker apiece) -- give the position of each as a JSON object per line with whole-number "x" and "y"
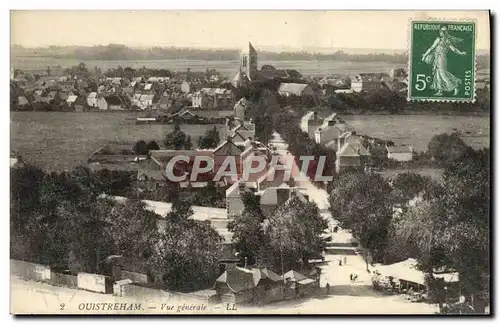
{"x": 152, "y": 146}
{"x": 188, "y": 144}
{"x": 210, "y": 140}
{"x": 446, "y": 148}
{"x": 175, "y": 140}
{"x": 408, "y": 185}
{"x": 465, "y": 215}
{"x": 186, "y": 256}
{"x": 294, "y": 235}
{"x": 131, "y": 228}
{"x": 360, "y": 202}
{"x": 140, "y": 148}
{"x": 248, "y": 233}
{"x": 452, "y": 228}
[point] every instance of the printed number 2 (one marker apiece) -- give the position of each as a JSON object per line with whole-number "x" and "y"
{"x": 62, "y": 306}
{"x": 421, "y": 83}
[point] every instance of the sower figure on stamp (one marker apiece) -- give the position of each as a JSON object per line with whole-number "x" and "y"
{"x": 443, "y": 80}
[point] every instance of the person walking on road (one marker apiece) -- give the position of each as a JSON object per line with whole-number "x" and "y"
{"x": 327, "y": 288}
{"x": 345, "y": 260}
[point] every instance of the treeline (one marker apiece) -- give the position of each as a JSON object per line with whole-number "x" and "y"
{"x": 385, "y": 100}
{"x": 62, "y": 220}
{"x": 122, "y": 52}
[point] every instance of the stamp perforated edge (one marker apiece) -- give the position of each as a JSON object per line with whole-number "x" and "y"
{"x": 409, "y": 46}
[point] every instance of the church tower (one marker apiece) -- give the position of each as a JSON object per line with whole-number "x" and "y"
{"x": 248, "y": 62}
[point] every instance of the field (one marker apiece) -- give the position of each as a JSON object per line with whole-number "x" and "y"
{"x": 226, "y": 68}
{"x": 58, "y": 141}
{"x": 417, "y": 130}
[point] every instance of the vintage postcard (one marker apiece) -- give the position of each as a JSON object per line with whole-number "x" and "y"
{"x": 250, "y": 162}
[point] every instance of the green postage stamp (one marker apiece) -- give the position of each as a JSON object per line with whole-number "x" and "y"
{"x": 442, "y": 60}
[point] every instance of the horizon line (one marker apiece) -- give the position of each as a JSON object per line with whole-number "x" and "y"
{"x": 263, "y": 48}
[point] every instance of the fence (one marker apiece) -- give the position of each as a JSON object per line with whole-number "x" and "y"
{"x": 61, "y": 279}
{"x": 142, "y": 291}
{"x": 94, "y": 282}
{"x": 31, "y": 271}
{"x": 134, "y": 276}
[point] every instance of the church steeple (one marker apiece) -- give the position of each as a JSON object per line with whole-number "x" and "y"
{"x": 248, "y": 62}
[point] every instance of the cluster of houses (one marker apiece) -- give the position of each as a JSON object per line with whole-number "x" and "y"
{"x": 86, "y": 92}
{"x": 352, "y": 149}
{"x": 260, "y": 285}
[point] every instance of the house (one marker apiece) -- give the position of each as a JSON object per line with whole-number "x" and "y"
{"x": 109, "y": 103}
{"x": 252, "y": 284}
{"x": 197, "y": 100}
{"x": 150, "y": 179}
{"x": 400, "y": 153}
{"x": 329, "y": 132}
{"x": 213, "y": 98}
{"x": 235, "y": 286}
{"x": 92, "y": 99}
{"x": 296, "y": 89}
{"x": 368, "y": 82}
{"x": 277, "y": 195}
{"x": 234, "y": 201}
{"x": 351, "y": 155}
{"x": 298, "y": 283}
{"x": 148, "y": 88}
{"x": 269, "y": 286}
{"x": 71, "y": 100}
{"x": 399, "y": 73}
{"x": 310, "y": 121}
{"x": 185, "y": 87}
{"x": 242, "y": 132}
{"x": 146, "y": 100}
{"x": 22, "y": 102}
{"x": 223, "y": 151}
{"x": 240, "y": 108}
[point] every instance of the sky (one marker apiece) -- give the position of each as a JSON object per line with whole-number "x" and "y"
{"x": 270, "y": 30}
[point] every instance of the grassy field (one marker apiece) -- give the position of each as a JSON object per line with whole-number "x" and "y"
{"x": 58, "y": 141}
{"x": 417, "y": 130}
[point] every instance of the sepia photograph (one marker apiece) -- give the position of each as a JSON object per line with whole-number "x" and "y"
{"x": 250, "y": 162}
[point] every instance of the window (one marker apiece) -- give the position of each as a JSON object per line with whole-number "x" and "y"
{"x": 244, "y": 61}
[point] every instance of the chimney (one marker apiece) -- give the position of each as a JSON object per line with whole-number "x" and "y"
{"x": 341, "y": 141}
{"x": 241, "y": 187}
{"x": 282, "y": 195}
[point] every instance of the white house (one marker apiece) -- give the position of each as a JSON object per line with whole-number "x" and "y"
{"x": 400, "y": 153}
{"x": 197, "y": 100}
{"x": 297, "y": 89}
{"x": 185, "y": 87}
{"x": 239, "y": 108}
{"x": 309, "y": 122}
{"x": 146, "y": 101}
{"x": 92, "y": 99}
